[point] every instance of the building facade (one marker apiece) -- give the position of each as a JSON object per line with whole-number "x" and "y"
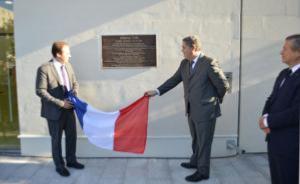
{"x": 244, "y": 35}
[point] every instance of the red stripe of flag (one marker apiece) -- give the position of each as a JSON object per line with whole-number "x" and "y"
{"x": 131, "y": 127}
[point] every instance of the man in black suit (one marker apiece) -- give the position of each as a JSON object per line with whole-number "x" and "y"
{"x": 204, "y": 85}
{"x": 280, "y": 120}
{"x": 54, "y": 79}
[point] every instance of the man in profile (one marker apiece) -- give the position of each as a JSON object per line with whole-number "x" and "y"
{"x": 204, "y": 86}
{"x": 280, "y": 120}
{"x": 54, "y": 79}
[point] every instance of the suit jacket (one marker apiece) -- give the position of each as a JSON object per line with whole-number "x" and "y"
{"x": 283, "y": 109}
{"x": 51, "y": 91}
{"x": 203, "y": 90}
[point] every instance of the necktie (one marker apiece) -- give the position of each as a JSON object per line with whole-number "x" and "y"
{"x": 64, "y": 76}
{"x": 191, "y": 67}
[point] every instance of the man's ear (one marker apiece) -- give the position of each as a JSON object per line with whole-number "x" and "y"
{"x": 58, "y": 55}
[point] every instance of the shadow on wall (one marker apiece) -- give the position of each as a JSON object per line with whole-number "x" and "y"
{"x": 85, "y": 46}
{"x": 83, "y": 39}
{"x": 65, "y": 18}
{"x": 260, "y": 67}
{"x": 262, "y": 64}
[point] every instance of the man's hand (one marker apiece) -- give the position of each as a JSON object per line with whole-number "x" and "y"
{"x": 151, "y": 93}
{"x": 75, "y": 93}
{"x": 67, "y": 104}
{"x": 266, "y": 130}
{"x": 262, "y": 125}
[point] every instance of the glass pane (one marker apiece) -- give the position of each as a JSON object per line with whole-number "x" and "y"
{"x": 9, "y": 127}
{"x": 6, "y": 22}
{"x": 5, "y": 47}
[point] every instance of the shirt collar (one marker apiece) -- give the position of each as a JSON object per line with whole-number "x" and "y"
{"x": 200, "y": 55}
{"x": 57, "y": 63}
{"x": 295, "y": 68}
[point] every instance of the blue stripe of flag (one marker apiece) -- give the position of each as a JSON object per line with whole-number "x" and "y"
{"x": 80, "y": 107}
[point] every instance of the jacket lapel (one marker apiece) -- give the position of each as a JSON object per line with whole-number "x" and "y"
{"x": 281, "y": 82}
{"x": 186, "y": 69}
{"x": 69, "y": 75}
{"x": 200, "y": 65}
{"x": 296, "y": 73}
{"x": 197, "y": 66}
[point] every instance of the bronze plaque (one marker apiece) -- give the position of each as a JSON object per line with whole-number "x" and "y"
{"x": 129, "y": 50}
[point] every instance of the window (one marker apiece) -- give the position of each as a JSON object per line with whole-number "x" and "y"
{"x": 9, "y": 127}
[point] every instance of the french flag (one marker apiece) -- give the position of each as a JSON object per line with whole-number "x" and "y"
{"x": 124, "y": 130}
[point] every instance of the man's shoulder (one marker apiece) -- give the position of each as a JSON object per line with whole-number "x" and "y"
{"x": 283, "y": 71}
{"x": 184, "y": 62}
{"x": 207, "y": 58}
{"x": 46, "y": 65}
{"x": 210, "y": 61}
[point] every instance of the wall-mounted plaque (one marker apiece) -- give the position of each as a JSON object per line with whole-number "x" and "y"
{"x": 128, "y": 50}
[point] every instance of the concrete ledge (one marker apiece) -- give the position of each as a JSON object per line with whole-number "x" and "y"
{"x": 163, "y": 146}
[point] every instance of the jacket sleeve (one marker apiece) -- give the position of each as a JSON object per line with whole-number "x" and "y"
{"x": 218, "y": 79}
{"x": 172, "y": 81}
{"x": 42, "y": 86}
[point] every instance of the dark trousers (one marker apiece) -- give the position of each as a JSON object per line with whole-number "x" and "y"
{"x": 284, "y": 169}
{"x": 202, "y": 136}
{"x": 67, "y": 123}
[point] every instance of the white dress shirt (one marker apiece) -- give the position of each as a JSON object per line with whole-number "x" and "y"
{"x": 58, "y": 66}
{"x": 196, "y": 59}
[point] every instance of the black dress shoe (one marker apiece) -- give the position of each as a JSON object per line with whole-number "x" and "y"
{"x": 62, "y": 171}
{"x": 188, "y": 165}
{"x": 76, "y": 165}
{"x": 196, "y": 177}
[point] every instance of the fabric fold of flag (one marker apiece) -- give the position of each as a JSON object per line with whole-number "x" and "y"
{"x": 124, "y": 130}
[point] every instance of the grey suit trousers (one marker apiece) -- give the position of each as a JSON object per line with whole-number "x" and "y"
{"x": 66, "y": 123}
{"x": 202, "y": 136}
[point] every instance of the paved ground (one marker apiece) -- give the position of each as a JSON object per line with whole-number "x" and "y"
{"x": 242, "y": 169}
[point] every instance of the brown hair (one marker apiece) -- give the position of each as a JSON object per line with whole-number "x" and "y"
{"x": 57, "y": 47}
{"x": 192, "y": 42}
{"x": 295, "y": 39}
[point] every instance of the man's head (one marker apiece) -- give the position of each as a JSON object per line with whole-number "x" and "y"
{"x": 190, "y": 47}
{"x": 61, "y": 51}
{"x": 290, "y": 52}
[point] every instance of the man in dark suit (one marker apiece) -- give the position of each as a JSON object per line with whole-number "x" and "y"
{"x": 280, "y": 120}
{"x": 204, "y": 86}
{"x": 54, "y": 79}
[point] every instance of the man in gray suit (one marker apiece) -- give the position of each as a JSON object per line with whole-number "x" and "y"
{"x": 54, "y": 79}
{"x": 204, "y": 86}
